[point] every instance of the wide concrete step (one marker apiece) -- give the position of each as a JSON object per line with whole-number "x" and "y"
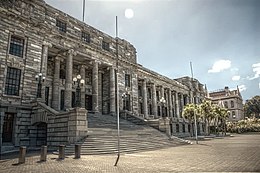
{"x": 134, "y": 137}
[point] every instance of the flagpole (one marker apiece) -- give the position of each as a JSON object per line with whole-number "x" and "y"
{"x": 83, "y": 17}
{"x": 117, "y": 98}
{"x": 195, "y": 117}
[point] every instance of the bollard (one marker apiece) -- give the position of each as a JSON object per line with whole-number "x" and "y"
{"x": 43, "y": 154}
{"x": 77, "y": 151}
{"x": 22, "y": 153}
{"x": 62, "y": 152}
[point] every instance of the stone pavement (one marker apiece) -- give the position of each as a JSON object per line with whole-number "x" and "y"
{"x": 240, "y": 153}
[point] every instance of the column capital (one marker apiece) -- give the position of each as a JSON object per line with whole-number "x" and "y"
{"x": 45, "y": 43}
{"x": 72, "y": 52}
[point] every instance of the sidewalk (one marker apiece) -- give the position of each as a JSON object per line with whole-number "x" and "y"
{"x": 240, "y": 153}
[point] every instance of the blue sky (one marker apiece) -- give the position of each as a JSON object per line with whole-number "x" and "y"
{"x": 220, "y": 37}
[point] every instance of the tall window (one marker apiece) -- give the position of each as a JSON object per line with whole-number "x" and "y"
{"x": 140, "y": 91}
{"x": 183, "y": 128}
{"x": 105, "y": 45}
{"x": 233, "y": 114}
{"x": 149, "y": 93}
{"x": 7, "y": 134}
{"x": 12, "y": 84}
{"x": 16, "y": 46}
{"x": 177, "y": 128}
{"x": 126, "y": 102}
{"x": 62, "y": 26}
{"x": 232, "y": 103}
{"x": 127, "y": 80}
{"x": 62, "y": 101}
{"x": 85, "y": 37}
{"x": 226, "y": 104}
{"x": 157, "y": 96}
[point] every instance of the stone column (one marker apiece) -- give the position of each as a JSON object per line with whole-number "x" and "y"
{"x": 145, "y": 99}
{"x": 95, "y": 87}
{"x": 112, "y": 91}
{"x": 56, "y": 84}
{"x": 83, "y": 90}
{"x": 177, "y": 105}
{"x": 68, "y": 81}
{"x": 170, "y": 103}
{"x": 162, "y": 104}
{"x": 154, "y": 101}
{"x": 44, "y": 63}
{"x": 182, "y": 104}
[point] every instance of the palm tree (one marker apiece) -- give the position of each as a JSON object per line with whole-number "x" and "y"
{"x": 188, "y": 113}
{"x": 221, "y": 115}
{"x": 207, "y": 114}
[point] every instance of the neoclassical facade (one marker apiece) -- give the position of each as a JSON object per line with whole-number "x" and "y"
{"x": 43, "y": 49}
{"x": 230, "y": 99}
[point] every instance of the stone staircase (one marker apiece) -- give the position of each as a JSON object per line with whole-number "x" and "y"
{"x": 102, "y": 137}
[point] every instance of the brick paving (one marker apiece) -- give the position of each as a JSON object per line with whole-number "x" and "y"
{"x": 240, "y": 153}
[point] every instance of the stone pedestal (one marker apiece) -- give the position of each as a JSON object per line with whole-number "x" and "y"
{"x": 22, "y": 153}
{"x": 77, "y": 124}
{"x": 77, "y": 151}
{"x": 43, "y": 154}
{"x": 62, "y": 152}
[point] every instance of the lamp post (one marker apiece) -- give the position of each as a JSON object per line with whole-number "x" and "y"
{"x": 77, "y": 80}
{"x": 124, "y": 96}
{"x": 162, "y": 101}
{"x": 40, "y": 79}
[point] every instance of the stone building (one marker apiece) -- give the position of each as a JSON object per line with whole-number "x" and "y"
{"x": 43, "y": 49}
{"x": 232, "y": 100}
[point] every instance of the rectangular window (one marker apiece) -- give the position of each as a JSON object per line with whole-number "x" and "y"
{"x": 105, "y": 45}
{"x": 16, "y": 46}
{"x": 157, "y": 96}
{"x": 177, "y": 128}
{"x": 47, "y": 89}
{"x": 62, "y": 101}
{"x": 149, "y": 93}
{"x": 12, "y": 84}
{"x": 140, "y": 91}
{"x": 183, "y": 128}
{"x": 62, "y": 26}
{"x": 85, "y": 37}
{"x": 127, "y": 80}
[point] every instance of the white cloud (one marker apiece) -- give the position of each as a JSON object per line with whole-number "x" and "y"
{"x": 219, "y": 66}
{"x": 242, "y": 88}
{"x": 256, "y": 69}
{"x": 259, "y": 85}
{"x": 235, "y": 78}
{"x": 234, "y": 69}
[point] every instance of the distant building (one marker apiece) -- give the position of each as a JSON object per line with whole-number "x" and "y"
{"x": 232, "y": 100}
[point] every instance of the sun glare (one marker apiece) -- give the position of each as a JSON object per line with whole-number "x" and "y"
{"x": 129, "y": 13}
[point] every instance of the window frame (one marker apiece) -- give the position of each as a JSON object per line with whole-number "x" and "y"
{"x": 12, "y": 81}
{"x": 105, "y": 45}
{"x": 61, "y": 25}
{"x": 127, "y": 80}
{"x": 85, "y": 37}
{"x": 12, "y": 44}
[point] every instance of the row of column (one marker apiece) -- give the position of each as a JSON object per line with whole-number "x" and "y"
{"x": 68, "y": 81}
{"x": 174, "y": 99}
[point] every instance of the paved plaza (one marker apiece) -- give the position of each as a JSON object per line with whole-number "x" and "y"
{"x": 240, "y": 153}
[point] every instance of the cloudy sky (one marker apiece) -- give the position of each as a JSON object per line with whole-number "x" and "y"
{"x": 220, "y": 37}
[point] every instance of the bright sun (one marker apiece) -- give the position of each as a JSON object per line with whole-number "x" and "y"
{"x": 129, "y": 13}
